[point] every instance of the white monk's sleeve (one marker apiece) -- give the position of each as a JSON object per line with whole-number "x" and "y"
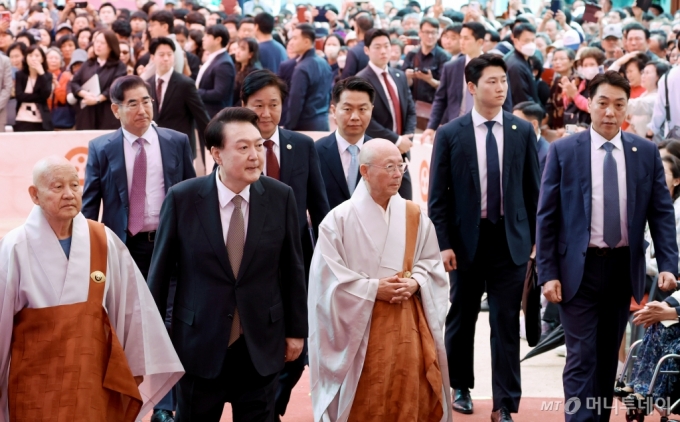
{"x": 9, "y": 280}
{"x": 139, "y": 326}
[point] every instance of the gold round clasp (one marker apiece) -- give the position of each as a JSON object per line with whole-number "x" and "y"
{"x": 98, "y": 277}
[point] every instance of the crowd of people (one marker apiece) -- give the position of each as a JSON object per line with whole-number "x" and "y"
{"x": 256, "y": 277}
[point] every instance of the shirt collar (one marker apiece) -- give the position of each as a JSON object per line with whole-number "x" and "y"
{"x": 225, "y": 195}
{"x": 478, "y": 119}
{"x": 275, "y": 137}
{"x": 151, "y": 136}
{"x": 342, "y": 142}
{"x": 378, "y": 71}
{"x": 166, "y": 77}
{"x": 597, "y": 140}
{"x": 211, "y": 56}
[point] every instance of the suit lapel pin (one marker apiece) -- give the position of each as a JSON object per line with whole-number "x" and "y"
{"x": 289, "y": 146}
{"x": 397, "y": 75}
{"x": 634, "y": 149}
{"x": 514, "y": 127}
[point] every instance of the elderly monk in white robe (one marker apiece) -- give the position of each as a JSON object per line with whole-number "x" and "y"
{"x": 378, "y": 297}
{"x": 79, "y": 330}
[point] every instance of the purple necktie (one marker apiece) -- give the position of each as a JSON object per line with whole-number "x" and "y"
{"x": 138, "y": 190}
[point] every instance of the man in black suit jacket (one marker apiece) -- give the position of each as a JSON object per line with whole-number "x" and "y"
{"x": 285, "y": 72}
{"x": 483, "y": 197}
{"x": 452, "y": 98}
{"x": 534, "y": 114}
{"x": 291, "y": 158}
{"x": 215, "y": 80}
{"x": 233, "y": 241}
{"x": 176, "y": 104}
{"x": 357, "y": 59}
{"x": 394, "y": 113}
{"x": 520, "y": 76}
{"x": 310, "y": 85}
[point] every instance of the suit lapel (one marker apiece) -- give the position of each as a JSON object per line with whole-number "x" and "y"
{"x": 632, "y": 164}
{"x": 152, "y": 87}
{"x": 332, "y": 157}
{"x": 375, "y": 81}
{"x": 208, "y": 207}
{"x": 287, "y": 155}
{"x": 509, "y": 147}
{"x": 402, "y": 87}
{"x": 115, "y": 152}
{"x": 582, "y": 152}
{"x": 256, "y": 218}
{"x": 169, "y": 158}
{"x": 469, "y": 146}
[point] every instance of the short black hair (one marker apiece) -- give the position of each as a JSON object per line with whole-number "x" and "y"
{"x": 17, "y": 46}
{"x": 163, "y": 17}
{"x": 478, "y": 30}
{"x": 124, "y": 13}
{"x": 674, "y": 163}
{"x": 609, "y": 77}
{"x": 67, "y": 38}
{"x": 147, "y": 6}
{"x": 26, "y": 34}
{"x": 220, "y": 31}
{"x": 246, "y": 20}
{"x": 475, "y": 68}
{"x": 215, "y": 133}
{"x": 307, "y": 31}
{"x": 260, "y": 79}
{"x": 517, "y": 30}
{"x": 156, "y": 42}
{"x": 660, "y": 66}
{"x": 454, "y": 27}
{"x": 635, "y": 26}
{"x": 195, "y": 17}
{"x": 429, "y": 21}
{"x": 640, "y": 60}
{"x": 353, "y": 83}
{"x": 122, "y": 27}
{"x": 265, "y": 22}
{"x": 494, "y": 36}
{"x": 124, "y": 84}
{"x": 109, "y": 5}
{"x": 181, "y": 29}
{"x": 364, "y": 22}
{"x": 138, "y": 14}
{"x": 530, "y": 109}
{"x": 374, "y": 33}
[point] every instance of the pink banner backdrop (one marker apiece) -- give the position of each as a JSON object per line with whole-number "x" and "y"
{"x": 20, "y": 151}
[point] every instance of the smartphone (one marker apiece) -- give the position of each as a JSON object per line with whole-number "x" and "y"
{"x": 555, "y": 6}
{"x": 6, "y": 17}
{"x": 590, "y": 11}
{"x": 301, "y": 14}
{"x": 548, "y": 75}
{"x": 81, "y": 4}
{"x": 570, "y": 129}
{"x": 318, "y": 43}
{"x": 321, "y": 14}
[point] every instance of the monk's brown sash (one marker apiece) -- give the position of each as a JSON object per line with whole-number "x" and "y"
{"x": 67, "y": 363}
{"x": 412, "y": 225}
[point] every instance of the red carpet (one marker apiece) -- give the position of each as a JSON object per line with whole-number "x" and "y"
{"x": 531, "y": 409}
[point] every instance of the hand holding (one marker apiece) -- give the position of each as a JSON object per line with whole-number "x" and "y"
{"x": 653, "y": 313}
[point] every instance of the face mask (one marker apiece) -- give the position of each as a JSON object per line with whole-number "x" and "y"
{"x": 341, "y": 61}
{"x": 394, "y": 63}
{"x": 332, "y": 51}
{"x": 189, "y": 46}
{"x": 528, "y": 49}
{"x": 588, "y": 73}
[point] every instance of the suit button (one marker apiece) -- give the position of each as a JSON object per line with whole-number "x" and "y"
{"x": 230, "y": 316}
{"x": 584, "y": 254}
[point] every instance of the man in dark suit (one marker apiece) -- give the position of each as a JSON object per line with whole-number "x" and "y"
{"x": 285, "y": 73}
{"x": 357, "y": 59}
{"x": 452, "y": 98}
{"x": 291, "y": 158}
{"x": 132, "y": 182}
{"x": 600, "y": 188}
{"x": 483, "y": 194}
{"x": 215, "y": 80}
{"x": 522, "y": 81}
{"x": 177, "y": 105}
{"x": 394, "y": 113}
{"x": 310, "y": 84}
{"x": 534, "y": 114}
{"x": 233, "y": 240}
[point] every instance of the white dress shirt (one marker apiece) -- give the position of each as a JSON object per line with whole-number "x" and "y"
{"x": 277, "y": 150}
{"x": 378, "y": 71}
{"x": 480, "y": 140}
{"x": 597, "y": 154}
{"x": 155, "y": 182}
{"x": 225, "y": 195}
{"x": 345, "y": 156}
{"x": 164, "y": 88}
{"x": 463, "y": 103}
{"x": 207, "y": 63}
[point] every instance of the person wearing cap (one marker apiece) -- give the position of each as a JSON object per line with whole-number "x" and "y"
{"x": 611, "y": 41}
{"x": 63, "y": 29}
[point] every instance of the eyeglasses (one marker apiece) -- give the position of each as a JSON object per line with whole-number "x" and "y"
{"x": 430, "y": 33}
{"x": 391, "y": 168}
{"x": 134, "y": 104}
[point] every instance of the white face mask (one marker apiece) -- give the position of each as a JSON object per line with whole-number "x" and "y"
{"x": 332, "y": 51}
{"x": 588, "y": 73}
{"x": 394, "y": 63}
{"x": 528, "y": 49}
{"x": 189, "y": 46}
{"x": 341, "y": 61}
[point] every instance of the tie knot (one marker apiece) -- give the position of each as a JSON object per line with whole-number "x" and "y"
{"x": 353, "y": 150}
{"x": 140, "y": 141}
{"x": 269, "y": 144}
{"x": 608, "y": 146}
{"x": 237, "y": 200}
{"x": 489, "y": 124}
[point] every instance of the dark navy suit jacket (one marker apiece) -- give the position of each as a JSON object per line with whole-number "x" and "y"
{"x": 106, "y": 175}
{"x": 217, "y": 84}
{"x": 565, "y": 207}
{"x": 449, "y": 95}
{"x": 357, "y": 60}
{"x": 543, "y": 147}
{"x": 455, "y": 195}
{"x": 285, "y": 72}
{"x": 310, "y": 94}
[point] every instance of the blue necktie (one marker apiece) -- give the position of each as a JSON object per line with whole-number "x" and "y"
{"x": 353, "y": 168}
{"x": 610, "y": 185}
{"x": 493, "y": 176}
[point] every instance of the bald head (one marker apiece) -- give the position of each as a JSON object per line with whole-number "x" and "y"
{"x": 56, "y": 190}
{"x": 375, "y": 149}
{"x": 380, "y": 168}
{"x": 45, "y": 168}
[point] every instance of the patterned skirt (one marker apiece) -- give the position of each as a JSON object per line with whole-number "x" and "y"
{"x": 658, "y": 342}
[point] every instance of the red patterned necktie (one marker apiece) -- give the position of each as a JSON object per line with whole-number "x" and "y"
{"x": 395, "y": 103}
{"x": 138, "y": 190}
{"x": 273, "y": 169}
